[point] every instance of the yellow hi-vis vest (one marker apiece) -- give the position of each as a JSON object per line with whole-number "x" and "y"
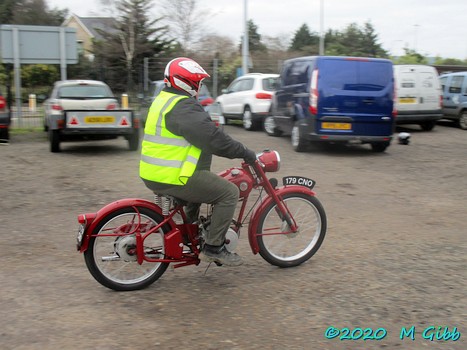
{"x": 166, "y": 157}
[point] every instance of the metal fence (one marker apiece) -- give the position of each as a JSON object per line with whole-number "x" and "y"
{"x": 27, "y": 118}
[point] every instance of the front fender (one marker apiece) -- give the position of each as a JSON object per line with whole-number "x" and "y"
{"x": 254, "y": 220}
{"x": 93, "y": 219}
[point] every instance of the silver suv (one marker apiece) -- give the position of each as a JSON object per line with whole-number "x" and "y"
{"x": 248, "y": 98}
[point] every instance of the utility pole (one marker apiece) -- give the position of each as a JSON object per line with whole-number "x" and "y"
{"x": 321, "y": 28}
{"x": 415, "y": 39}
{"x": 245, "y": 40}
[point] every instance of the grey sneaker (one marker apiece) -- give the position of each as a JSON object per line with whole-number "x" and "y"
{"x": 220, "y": 256}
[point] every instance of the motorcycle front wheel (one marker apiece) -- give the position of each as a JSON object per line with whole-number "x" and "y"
{"x": 279, "y": 246}
{"x": 111, "y": 255}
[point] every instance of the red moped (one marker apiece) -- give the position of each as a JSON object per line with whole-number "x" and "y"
{"x": 128, "y": 244}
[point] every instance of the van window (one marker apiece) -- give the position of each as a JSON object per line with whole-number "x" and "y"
{"x": 456, "y": 84}
{"x": 443, "y": 82}
{"x": 298, "y": 73}
{"x": 356, "y": 75}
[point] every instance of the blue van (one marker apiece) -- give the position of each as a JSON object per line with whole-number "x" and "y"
{"x": 334, "y": 99}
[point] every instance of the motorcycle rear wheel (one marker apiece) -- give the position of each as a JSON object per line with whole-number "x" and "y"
{"x": 291, "y": 249}
{"x": 112, "y": 260}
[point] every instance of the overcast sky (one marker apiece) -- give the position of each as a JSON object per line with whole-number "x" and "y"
{"x": 431, "y": 27}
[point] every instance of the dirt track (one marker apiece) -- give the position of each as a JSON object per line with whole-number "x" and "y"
{"x": 394, "y": 255}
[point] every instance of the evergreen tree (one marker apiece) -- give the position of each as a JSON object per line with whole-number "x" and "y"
{"x": 133, "y": 37}
{"x": 30, "y": 12}
{"x": 354, "y": 41}
{"x": 254, "y": 39}
{"x": 305, "y": 41}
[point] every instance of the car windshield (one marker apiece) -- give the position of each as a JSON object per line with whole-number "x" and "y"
{"x": 84, "y": 91}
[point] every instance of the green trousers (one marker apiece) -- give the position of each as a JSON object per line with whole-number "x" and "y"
{"x": 207, "y": 187}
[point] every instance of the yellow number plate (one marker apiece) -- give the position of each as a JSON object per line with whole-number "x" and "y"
{"x": 406, "y": 100}
{"x": 337, "y": 126}
{"x": 99, "y": 120}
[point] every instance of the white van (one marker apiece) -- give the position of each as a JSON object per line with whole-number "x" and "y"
{"x": 418, "y": 95}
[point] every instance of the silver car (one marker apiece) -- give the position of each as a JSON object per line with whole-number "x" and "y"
{"x": 87, "y": 109}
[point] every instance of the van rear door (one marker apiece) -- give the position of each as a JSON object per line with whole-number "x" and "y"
{"x": 418, "y": 88}
{"x": 453, "y": 93}
{"x": 355, "y": 96}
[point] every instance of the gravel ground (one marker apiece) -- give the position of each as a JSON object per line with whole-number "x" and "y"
{"x": 394, "y": 256}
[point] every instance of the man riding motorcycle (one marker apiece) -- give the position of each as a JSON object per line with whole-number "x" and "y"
{"x": 179, "y": 141}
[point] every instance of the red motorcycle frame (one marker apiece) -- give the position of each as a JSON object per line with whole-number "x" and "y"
{"x": 128, "y": 244}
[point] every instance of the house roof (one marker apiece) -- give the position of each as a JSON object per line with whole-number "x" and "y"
{"x": 93, "y": 24}
{"x": 102, "y": 23}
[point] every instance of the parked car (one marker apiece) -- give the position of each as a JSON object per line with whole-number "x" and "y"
{"x": 418, "y": 95}
{"x": 5, "y": 119}
{"x": 155, "y": 87}
{"x": 334, "y": 99}
{"x": 248, "y": 98}
{"x": 215, "y": 112}
{"x": 454, "y": 87}
{"x": 87, "y": 110}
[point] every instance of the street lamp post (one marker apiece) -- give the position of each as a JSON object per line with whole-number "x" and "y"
{"x": 415, "y": 39}
{"x": 321, "y": 28}
{"x": 245, "y": 40}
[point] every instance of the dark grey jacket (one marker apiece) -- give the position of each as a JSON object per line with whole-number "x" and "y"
{"x": 189, "y": 120}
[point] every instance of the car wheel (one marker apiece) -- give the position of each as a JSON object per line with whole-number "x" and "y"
{"x": 463, "y": 121}
{"x": 133, "y": 140}
{"x": 248, "y": 122}
{"x": 270, "y": 126}
{"x": 4, "y": 135}
{"x": 54, "y": 139}
{"x": 428, "y": 126}
{"x": 379, "y": 146}
{"x": 299, "y": 144}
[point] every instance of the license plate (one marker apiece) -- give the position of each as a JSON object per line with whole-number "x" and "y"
{"x": 79, "y": 236}
{"x": 99, "y": 120}
{"x": 298, "y": 180}
{"x": 336, "y": 126}
{"x": 406, "y": 100}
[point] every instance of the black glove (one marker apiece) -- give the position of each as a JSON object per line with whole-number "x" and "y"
{"x": 249, "y": 157}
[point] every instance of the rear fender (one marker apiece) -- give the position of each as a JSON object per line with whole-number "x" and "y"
{"x": 91, "y": 220}
{"x": 254, "y": 221}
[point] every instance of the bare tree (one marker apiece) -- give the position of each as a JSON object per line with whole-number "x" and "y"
{"x": 186, "y": 21}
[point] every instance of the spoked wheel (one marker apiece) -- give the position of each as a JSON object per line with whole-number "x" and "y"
{"x": 299, "y": 143}
{"x": 279, "y": 246}
{"x": 270, "y": 126}
{"x": 111, "y": 257}
{"x": 248, "y": 121}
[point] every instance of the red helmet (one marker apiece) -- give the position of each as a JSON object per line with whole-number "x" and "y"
{"x": 184, "y": 74}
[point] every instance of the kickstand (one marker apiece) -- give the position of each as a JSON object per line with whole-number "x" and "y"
{"x": 205, "y": 271}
